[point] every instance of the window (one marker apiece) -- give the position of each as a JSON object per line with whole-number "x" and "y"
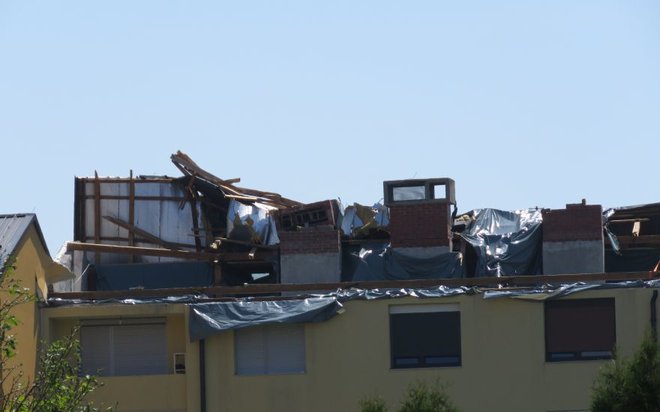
{"x": 423, "y": 336}
{"x": 121, "y": 347}
{"x": 419, "y": 190}
{"x": 408, "y": 193}
{"x": 270, "y": 349}
{"x": 579, "y": 329}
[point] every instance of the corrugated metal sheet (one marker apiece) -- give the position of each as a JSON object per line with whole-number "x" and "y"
{"x": 12, "y": 228}
{"x": 159, "y": 215}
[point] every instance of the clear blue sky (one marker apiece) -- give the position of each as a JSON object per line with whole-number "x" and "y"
{"x": 523, "y": 103}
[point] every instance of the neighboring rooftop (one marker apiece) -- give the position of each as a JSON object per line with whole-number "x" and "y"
{"x": 12, "y": 229}
{"x": 200, "y": 232}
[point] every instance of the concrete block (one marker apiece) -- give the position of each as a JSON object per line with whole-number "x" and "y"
{"x": 578, "y": 256}
{"x": 310, "y": 268}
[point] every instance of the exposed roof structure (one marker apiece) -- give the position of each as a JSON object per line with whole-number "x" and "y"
{"x": 200, "y": 235}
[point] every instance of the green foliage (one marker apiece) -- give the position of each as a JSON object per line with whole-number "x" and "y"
{"x": 420, "y": 397}
{"x": 57, "y": 387}
{"x": 375, "y": 404}
{"x": 15, "y": 295}
{"x": 630, "y": 384}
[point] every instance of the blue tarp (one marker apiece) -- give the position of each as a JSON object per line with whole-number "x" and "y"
{"x": 383, "y": 263}
{"x": 154, "y": 275}
{"x": 207, "y": 319}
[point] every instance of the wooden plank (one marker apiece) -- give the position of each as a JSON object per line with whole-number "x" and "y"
{"x": 240, "y": 242}
{"x": 97, "y": 213}
{"x": 257, "y": 289}
{"x": 138, "y": 197}
{"x": 127, "y": 179}
{"x": 131, "y": 209}
{"x": 138, "y": 239}
{"x": 184, "y": 254}
{"x": 132, "y": 230}
{"x": 131, "y": 212}
{"x": 188, "y": 167}
{"x": 639, "y": 241}
{"x": 192, "y": 194}
{"x": 628, "y": 220}
{"x": 243, "y": 197}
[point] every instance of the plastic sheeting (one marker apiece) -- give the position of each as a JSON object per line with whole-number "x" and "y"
{"x": 341, "y": 295}
{"x": 386, "y": 264}
{"x": 146, "y": 301}
{"x": 550, "y": 292}
{"x": 207, "y": 319}
{"x": 210, "y": 318}
{"x": 251, "y": 223}
{"x": 345, "y": 295}
{"x": 359, "y": 220}
{"x": 631, "y": 260}
{"x": 154, "y": 275}
{"x": 614, "y": 241}
{"x": 506, "y": 243}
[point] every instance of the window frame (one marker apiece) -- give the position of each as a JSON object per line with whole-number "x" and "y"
{"x": 110, "y": 351}
{"x": 579, "y": 325}
{"x": 435, "y": 190}
{"x": 449, "y": 356}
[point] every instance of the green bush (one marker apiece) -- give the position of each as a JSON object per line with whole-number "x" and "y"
{"x": 422, "y": 397}
{"x": 58, "y": 385}
{"x": 630, "y": 384}
{"x": 419, "y": 397}
{"x": 376, "y": 404}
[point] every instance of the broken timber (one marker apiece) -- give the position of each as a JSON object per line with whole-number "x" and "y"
{"x": 183, "y": 254}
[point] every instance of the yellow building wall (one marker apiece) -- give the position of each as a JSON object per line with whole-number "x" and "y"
{"x": 503, "y": 360}
{"x": 348, "y": 358}
{"x": 32, "y": 265}
{"x": 148, "y": 393}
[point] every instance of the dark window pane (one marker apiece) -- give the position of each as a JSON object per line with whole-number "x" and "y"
{"x": 406, "y": 362}
{"x": 432, "y": 339}
{"x": 583, "y": 328}
{"x": 442, "y": 360}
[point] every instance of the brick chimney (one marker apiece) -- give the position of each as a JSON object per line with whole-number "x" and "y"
{"x": 573, "y": 240}
{"x": 420, "y": 215}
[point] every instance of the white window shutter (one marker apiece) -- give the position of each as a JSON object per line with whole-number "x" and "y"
{"x": 140, "y": 350}
{"x": 121, "y": 350}
{"x": 270, "y": 349}
{"x": 286, "y": 349}
{"x": 95, "y": 350}
{"x": 250, "y": 353}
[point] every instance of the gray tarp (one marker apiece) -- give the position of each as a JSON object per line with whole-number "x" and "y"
{"x": 549, "y": 292}
{"x": 506, "y": 243}
{"x": 207, "y": 319}
{"x": 614, "y": 241}
{"x": 344, "y": 295}
{"x": 128, "y": 301}
{"x": 387, "y": 264}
